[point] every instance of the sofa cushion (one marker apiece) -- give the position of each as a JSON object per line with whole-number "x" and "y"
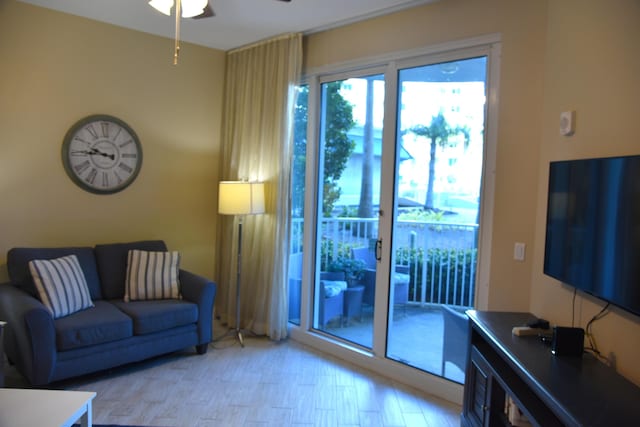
{"x": 99, "y": 324}
{"x": 154, "y": 316}
{"x": 401, "y": 278}
{"x": 61, "y": 285}
{"x": 112, "y": 264}
{"x": 18, "y": 266}
{"x": 333, "y": 287}
{"x": 152, "y": 275}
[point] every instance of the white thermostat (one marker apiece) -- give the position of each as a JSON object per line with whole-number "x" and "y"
{"x": 567, "y": 123}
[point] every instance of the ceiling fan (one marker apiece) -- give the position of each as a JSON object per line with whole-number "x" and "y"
{"x": 196, "y": 9}
{"x": 208, "y": 10}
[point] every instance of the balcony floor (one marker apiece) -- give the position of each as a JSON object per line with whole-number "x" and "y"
{"x": 415, "y": 338}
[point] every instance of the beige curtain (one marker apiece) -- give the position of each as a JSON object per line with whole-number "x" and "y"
{"x": 257, "y": 146}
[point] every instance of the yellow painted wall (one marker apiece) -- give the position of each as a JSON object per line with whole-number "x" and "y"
{"x": 592, "y": 67}
{"x": 522, "y": 25}
{"x": 57, "y": 68}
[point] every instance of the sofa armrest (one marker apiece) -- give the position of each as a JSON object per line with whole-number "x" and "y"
{"x": 201, "y": 291}
{"x": 30, "y": 339}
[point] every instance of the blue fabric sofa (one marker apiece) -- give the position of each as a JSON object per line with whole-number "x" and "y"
{"x": 109, "y": 334}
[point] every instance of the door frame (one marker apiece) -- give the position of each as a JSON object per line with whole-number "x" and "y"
{"x": 489, "y": 46}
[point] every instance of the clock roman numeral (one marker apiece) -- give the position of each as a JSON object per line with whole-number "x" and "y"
{"x": 92, "y": 176}
{"x": 81, "y": 167}
{"x": 92, "y": 131}
{"x": 127, "y": 142}
{"x": 117, "y": 134}
{"x": 129, "y": 155}
{"x": 125, "y": 168}
{"x": 77, "y": 138}
{"x": 105, "y": 129}
{"x": 105, "y": 179}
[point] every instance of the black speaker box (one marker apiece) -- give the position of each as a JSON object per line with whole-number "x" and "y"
{"x": 567, "y": 341}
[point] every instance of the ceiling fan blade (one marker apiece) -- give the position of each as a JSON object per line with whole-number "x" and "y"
{"x": 208, "y": 12}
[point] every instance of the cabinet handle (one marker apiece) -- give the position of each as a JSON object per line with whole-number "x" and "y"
{"x": 485, "y": 408}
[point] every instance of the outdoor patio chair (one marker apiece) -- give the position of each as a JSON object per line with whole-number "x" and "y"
{"x": 401, "y": 278}
{"x": 331, "y": 302}
{"x": 456, "y": 338}
{"x": 295, "y": 285}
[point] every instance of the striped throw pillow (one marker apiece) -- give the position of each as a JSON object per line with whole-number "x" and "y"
{"x": 61, "y": 285}
{"x": 152, "y": 275}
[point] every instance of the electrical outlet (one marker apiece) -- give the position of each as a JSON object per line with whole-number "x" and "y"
{"x": 519, "y": 251}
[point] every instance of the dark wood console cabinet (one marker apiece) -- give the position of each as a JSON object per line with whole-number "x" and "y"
{"x": 549, "y": 390}
{"x": 1, "y": 354}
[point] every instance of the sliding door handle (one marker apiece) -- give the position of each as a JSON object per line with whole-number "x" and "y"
{"x": 379, "y": 250}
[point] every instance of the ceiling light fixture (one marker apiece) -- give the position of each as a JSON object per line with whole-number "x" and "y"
{"x": 184, "y": 8}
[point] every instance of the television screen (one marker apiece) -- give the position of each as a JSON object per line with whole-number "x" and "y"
{"x": 593, "y": 228}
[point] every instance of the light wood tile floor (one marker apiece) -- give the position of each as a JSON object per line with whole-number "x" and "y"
{"x": 262, "y": 384}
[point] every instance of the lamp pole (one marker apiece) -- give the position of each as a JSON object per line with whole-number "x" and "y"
{"x": 239, "y": 264}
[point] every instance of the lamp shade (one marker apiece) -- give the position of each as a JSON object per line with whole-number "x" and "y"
{"x": 240, "y": 198}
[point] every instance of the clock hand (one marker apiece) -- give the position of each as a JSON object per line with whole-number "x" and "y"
{"x": 76, "y": 152}
{"x": 111, "y": 156}
{"x": 100, "y": 153}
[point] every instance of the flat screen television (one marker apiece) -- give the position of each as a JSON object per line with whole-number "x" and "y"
{"x": 593, "y": 228}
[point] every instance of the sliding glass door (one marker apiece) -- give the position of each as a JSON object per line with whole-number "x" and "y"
{"x": 350, "y": 147}
{"x": 393, "y": 196}
{"x": 441, "y": 116}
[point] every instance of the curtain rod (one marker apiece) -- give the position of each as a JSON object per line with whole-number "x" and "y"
{"x": 265, "y": 41}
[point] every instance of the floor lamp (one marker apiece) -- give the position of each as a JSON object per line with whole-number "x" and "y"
{"x": 240, "y": 198}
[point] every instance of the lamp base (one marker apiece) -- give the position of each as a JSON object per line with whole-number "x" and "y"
{"x": 238, "y": 334}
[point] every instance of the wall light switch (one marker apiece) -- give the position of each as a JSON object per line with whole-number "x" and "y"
{"x": 519, "y": 251}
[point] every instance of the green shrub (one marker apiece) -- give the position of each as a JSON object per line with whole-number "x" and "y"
{"x": 420, "y": 214}
{"x": 329, "y": 259}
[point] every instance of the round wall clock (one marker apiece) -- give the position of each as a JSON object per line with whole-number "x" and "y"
{"x": 102, "y": 154}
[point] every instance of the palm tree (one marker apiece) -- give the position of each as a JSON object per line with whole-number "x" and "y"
{"x": 365, "y": 207}
{"x": 438, "y": 132}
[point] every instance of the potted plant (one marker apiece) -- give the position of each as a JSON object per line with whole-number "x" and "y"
{"x": 353, "y": 269}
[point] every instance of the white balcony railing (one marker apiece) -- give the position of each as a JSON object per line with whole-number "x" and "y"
{"x": 441, "y": 257}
